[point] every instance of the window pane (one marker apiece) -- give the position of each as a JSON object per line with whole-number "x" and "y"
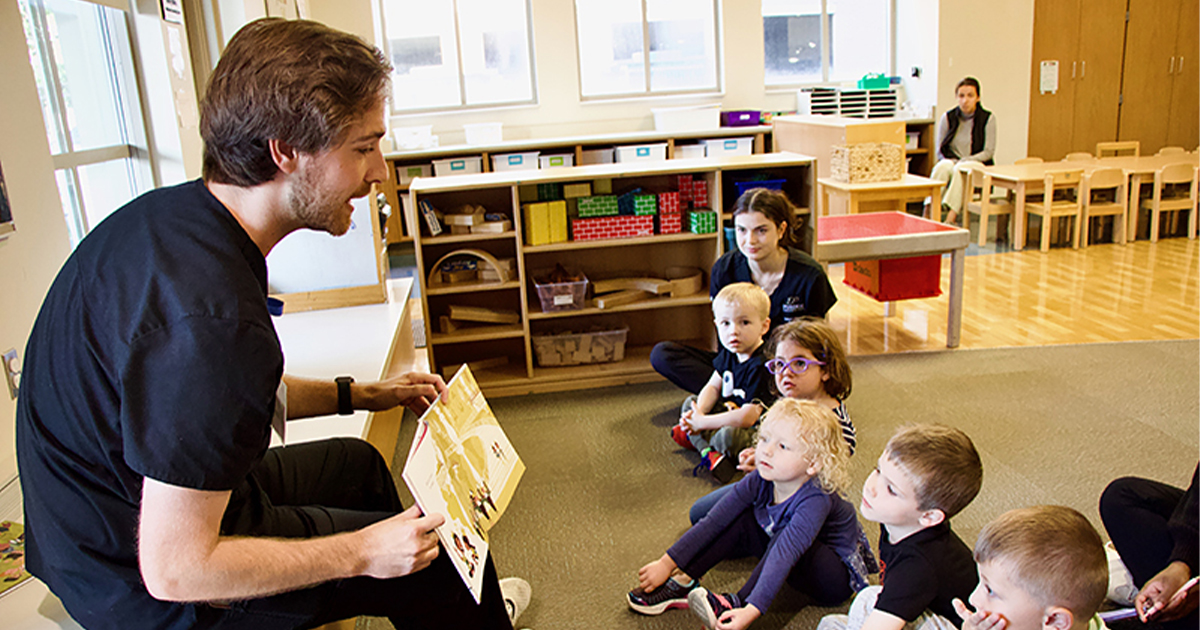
{"x": 859, "y": 42}
{"x": 682, "y": 45}
{"x": 37, "y": 59}
{"x": 610, "y": 47}
{"x": 495, "y": 51}
{"x": 70, "y": 208}
{"x": 106, "y": 186}
{"x": 792, "y": 38}
{"x": 424, "y": 51}
{"x": 81, "y": 35}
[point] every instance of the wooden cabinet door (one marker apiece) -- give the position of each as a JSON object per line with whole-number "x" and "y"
{"x": 1051, "y": 115}
{"x": 1147, "y": 81}
{"x": 1098, "y": 82}
{"x": 1183, "y": 125}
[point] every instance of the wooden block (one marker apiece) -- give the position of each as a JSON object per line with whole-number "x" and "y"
{"x": 475, "y": 218}
{"x": 537, "y": 223}
{"x": 558, "y": 221}
{"x": 460, "y": 229}
{"x": 685, "y": 280}
{"x": 481, "y": 314}
{"x": 462, "y": 275}
{"x": 492, "y": 227}
{"x": 621, "y": 297}
{"x": 654, "y": 285}
{"x": 571, "y": 191}
{"x": 602, "y": 187}
{"x": 446, "y": 324}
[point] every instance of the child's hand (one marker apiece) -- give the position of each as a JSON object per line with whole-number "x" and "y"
{"x": 981, "y": 620}
{"x": 746, "y": 460}
{"x": 655, "y": 574}
{"x": 738, "y": 618}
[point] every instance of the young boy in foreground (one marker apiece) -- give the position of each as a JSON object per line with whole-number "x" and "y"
{"x": 927, "y": 474}
{"x": 720, "y": 421}
{"x": 1040, "y": 567}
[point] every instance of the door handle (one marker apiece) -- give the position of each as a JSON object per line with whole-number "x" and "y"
{"x": 1083, "y": 69}
{"x": 1076, "y": 63}
{"x": 1171, "y": 70}
{"x": 1180, "y": 68}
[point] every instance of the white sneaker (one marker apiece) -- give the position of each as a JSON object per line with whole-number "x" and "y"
{"x": 1121, "y": 589}
{"x": 516, "y": 593}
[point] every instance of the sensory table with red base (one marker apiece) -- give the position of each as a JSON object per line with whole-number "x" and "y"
{"x": 888, "y": 235}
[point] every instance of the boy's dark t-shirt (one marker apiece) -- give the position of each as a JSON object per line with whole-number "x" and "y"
{"x": 925, "y": 571}
{"x": 743, "y": 382}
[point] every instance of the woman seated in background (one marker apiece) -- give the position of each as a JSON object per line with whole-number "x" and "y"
{"x": 965, "y": 135}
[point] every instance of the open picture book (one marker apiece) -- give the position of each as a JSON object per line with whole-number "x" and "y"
{"x": 462, "y": 466}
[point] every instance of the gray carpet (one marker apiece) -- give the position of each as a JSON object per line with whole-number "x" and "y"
{"x": 606, "y": 490}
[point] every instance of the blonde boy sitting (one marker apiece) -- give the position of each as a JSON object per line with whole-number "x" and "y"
{"x": 926, "y": 474}
{"x": 720, "y": 421}
{"x": 1040, "y": 568}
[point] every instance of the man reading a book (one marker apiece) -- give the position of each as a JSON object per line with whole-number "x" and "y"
{"x": 153, "y": 375}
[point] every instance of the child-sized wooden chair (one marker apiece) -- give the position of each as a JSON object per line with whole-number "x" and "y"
{"x": 1029, "y": 160}
{"x": 1079, "y": 156}
{"x": 1104, "y": 195}
{"x": 1174, "y": 191}
{"x": 978, "y": 198}
{"x": 1123, "y": 148}
{"x": 1171, "y": 151}
{"x": 1060, "y": 198}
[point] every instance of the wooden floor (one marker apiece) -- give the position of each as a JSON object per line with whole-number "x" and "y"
{"x": 1102, "y": 293}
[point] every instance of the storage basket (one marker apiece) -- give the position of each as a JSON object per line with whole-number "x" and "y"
{"x": 577, "y": 348}
{"x": 866, "y": 162}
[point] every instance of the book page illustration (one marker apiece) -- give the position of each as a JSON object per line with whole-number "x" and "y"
{"x": 461, "y": 465}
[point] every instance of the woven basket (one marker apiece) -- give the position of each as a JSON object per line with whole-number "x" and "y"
{"x": 867, "y": 162}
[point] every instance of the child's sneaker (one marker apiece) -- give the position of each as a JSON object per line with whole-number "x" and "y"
{"x": 681, "y": 437}
{"x": 1121, "y": 589}
{"x": 516, "y": 595}
{"x": 710, "y": 606}
{"x": 671, "y": 594}
{"x": 721, "y": 467}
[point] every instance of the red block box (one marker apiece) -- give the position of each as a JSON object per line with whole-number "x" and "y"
{"x": 612, "y": 227}
{"x": 896, "y": 278}
{"x": 699, "y": 198}
{"x": 670, "y": 223}
{"x": 668, "y": 203}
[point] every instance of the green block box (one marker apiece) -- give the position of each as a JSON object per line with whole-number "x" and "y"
{"x": 549, "y": 192}
{"x": 597, "y": 206}
{"x": 702, "y": 222}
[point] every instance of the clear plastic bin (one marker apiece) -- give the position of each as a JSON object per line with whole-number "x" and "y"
{"x": 560, "y": 296}
{"x": 571, "y": 348}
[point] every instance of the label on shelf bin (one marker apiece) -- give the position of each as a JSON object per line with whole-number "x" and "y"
{"x": 731, "y": 145}
{"x": 515, "y": 160}
{"x": 643, "y": 151}
{"x": 458, "y": 165}
{"x": 563, "y": 300}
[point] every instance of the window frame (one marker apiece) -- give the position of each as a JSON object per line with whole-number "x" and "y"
{"x": 463, "y": 106}
{"x": 133, "y": 148}
{"x": 718, "y": 61}
{"x": 826, "y": 53}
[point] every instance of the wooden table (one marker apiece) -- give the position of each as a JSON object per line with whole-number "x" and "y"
{"x": 367, "y": 342}
{"x": 1024, "y": 179}
{"x": 881, "y": 235}
{"x": 897, "y": 193}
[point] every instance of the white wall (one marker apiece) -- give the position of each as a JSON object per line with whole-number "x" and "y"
{"x": 917, "y": 47}
{"x": 993, "y": 42}
{"x": 30, "y": 257}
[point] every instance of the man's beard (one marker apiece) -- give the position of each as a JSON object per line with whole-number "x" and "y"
{"x": 314, "y": 209}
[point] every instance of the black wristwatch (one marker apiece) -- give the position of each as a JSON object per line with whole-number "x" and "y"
{"x": 345, "y": 406}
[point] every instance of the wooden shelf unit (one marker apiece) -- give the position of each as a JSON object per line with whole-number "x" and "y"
{"x": 400, "y": 231}
{"x": 648, "y": 321}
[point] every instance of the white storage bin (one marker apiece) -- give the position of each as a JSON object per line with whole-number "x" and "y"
{"x": 687, "y": 118}
{"x": 405, "y": 174}
{"x": 458, "y": 166}
{"x": 484, "y": 133}
{"x": 642, "y": 152}
{"x": 597, "y": 156}
{"x": 556, "y": 161}
{"x": 515, "y": 161}
{"x": 689, "y": 151}
{"x": 728, "y": 146}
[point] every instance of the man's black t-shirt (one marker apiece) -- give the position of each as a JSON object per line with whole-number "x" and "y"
{"x": 153, "y": 356}
{"x": 925, "y": 571}
{"x": 803, "y": 290}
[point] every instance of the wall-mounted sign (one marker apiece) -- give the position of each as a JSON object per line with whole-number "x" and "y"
{"x": 172, "y": 11}
{"x": 6, "y": 219}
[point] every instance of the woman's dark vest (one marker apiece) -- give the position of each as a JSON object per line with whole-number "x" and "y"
{"x": 978, "y": 132}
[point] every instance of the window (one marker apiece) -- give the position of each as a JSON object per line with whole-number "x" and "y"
{"x": 815, "y": 41}
{"x": 83, "y": 64}
{"x": 614, "y": 35}
{"x": 458, "y": 53}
